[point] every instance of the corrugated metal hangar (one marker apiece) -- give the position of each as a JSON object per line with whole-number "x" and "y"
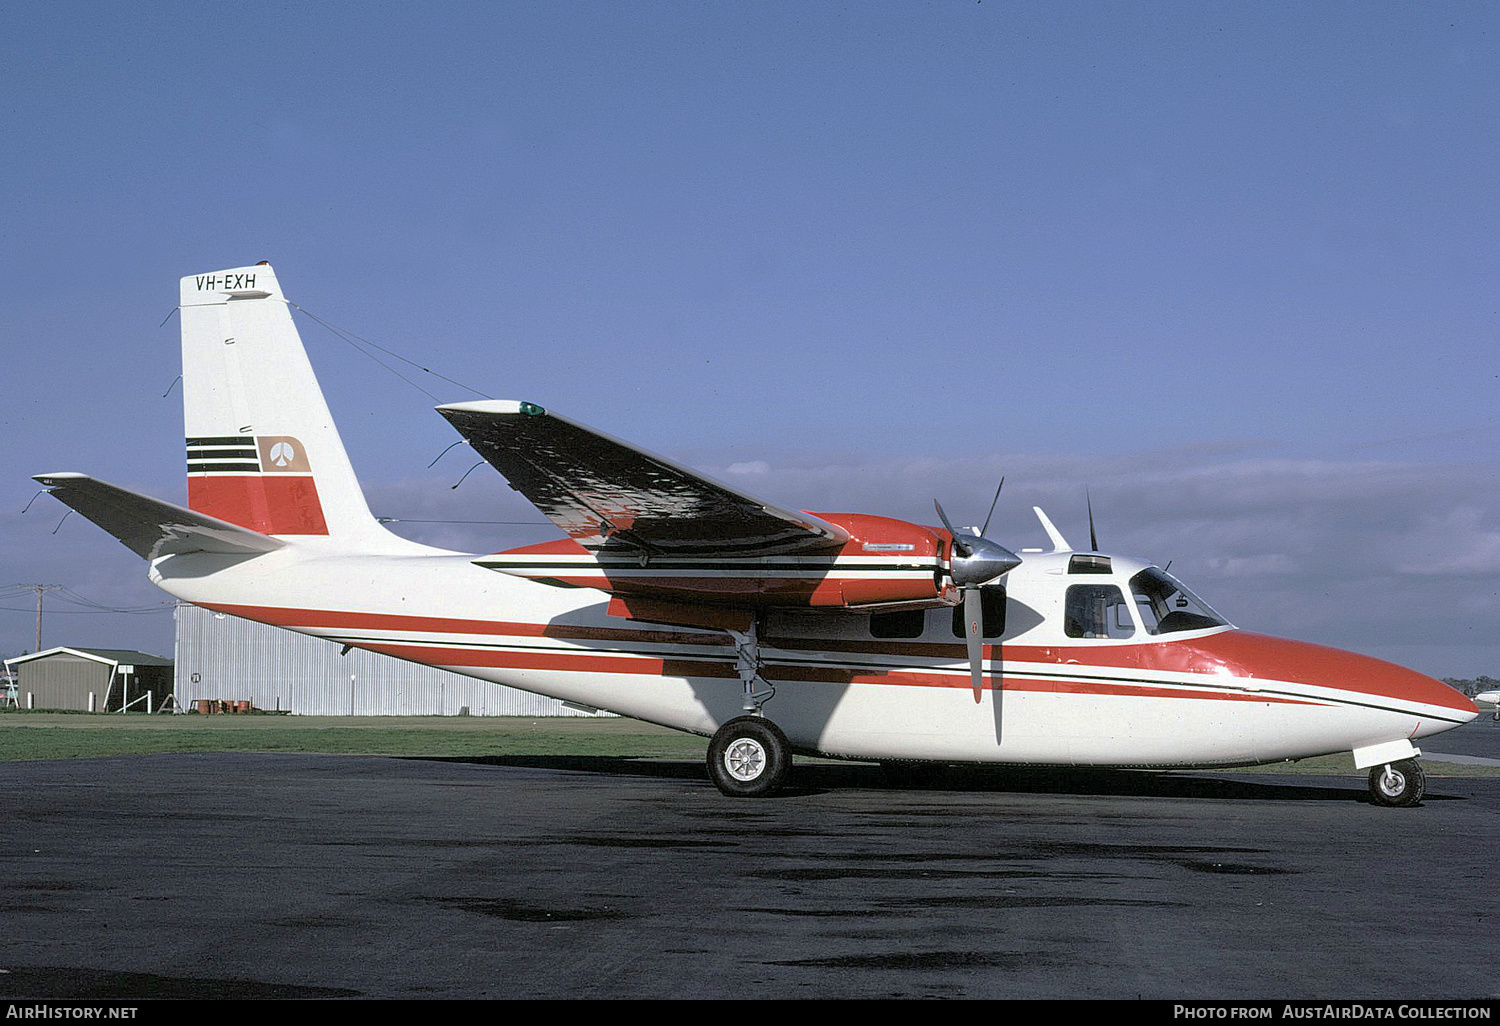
{"x": 226, "y": 657}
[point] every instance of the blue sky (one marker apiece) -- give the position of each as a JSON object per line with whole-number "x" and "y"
{"x": 1230, "y": 266}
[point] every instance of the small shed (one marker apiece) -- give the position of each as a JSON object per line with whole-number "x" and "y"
{"x": 91, "y": 679}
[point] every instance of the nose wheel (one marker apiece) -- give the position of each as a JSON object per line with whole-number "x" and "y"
{"x": 1398, "y": 783}
{"x": 749, "y": 757}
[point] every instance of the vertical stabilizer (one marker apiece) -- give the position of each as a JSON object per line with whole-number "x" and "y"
{"x": 262, "y": 449}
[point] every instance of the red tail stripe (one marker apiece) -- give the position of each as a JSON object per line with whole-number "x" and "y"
{"x": 268, "y": 503}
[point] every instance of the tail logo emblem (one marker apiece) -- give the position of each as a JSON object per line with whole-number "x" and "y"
{"x": 282, "y": 454}
{"x": 247, "y": 454}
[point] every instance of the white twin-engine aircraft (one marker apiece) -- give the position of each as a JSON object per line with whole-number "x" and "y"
{"x": 770, "y": 630}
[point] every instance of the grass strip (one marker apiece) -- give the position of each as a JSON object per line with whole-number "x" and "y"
{"x": 94, "y": 736}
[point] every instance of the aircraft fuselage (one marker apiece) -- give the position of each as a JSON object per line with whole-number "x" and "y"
{"x": 1215, "y": 696}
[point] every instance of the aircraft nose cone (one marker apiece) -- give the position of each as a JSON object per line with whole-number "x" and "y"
{"x": 1458, "y": 707}
{"x": 1399, "y": 682}
{"x": 985, "y": 562}
{"x": 1247, "y": 654}
{"x": 1465, "y": 704}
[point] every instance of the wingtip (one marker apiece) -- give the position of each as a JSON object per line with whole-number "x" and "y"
{"x": 490, "y": 406}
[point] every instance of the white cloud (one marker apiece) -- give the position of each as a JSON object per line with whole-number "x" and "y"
{"x": 1458, "y": 542}
{"x": 1263, "y": 565}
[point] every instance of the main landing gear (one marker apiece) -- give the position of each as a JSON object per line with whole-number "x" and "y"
{"x": 749, "y": 757}
{"x": 1398, "y": 783}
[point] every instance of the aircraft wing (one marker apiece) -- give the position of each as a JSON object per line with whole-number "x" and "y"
{"x": 149, "y": 527}
{"x": 607, "y": 493}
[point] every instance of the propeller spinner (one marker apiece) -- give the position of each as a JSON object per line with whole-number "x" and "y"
{"x": 976, "y": 561}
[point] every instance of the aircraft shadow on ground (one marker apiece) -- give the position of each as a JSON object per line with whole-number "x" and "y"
{"x": 819, "y": 778}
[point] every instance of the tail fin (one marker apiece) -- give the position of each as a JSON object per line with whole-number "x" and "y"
{"x": 262, "y": 449}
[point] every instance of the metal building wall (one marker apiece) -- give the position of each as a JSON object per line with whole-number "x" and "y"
{"x": 221, "y": 656}
{"x": 63, "y": 681}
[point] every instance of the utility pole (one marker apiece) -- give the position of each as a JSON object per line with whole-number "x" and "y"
{"x": 40, "y": 588}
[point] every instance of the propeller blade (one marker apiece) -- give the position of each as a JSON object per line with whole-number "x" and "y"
{"x": 976, "y": 561}
{"x": 962, "y": 547}
{"x": 974, "y": 639}
{"x": 985, "y": 530}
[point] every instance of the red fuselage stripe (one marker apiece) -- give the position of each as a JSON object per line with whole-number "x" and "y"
{"x": 673, "y": 667}
{"x": 295, "y": 619}
{"x": 459, "y": 655}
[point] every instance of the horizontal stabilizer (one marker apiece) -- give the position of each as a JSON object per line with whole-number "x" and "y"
{"x": 605, "y": 492}
{"x": 149, "y": 527}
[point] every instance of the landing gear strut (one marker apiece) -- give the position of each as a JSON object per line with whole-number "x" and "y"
{"x": 1398, "y": 783}
{"x": 747, "y": 663}
{"x": 749, "y": 757}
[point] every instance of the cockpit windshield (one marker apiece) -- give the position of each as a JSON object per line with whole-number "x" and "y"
{"x": 1166, "y": 606}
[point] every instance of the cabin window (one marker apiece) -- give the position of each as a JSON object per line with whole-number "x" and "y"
{"x": 1166, "y": 606}
{"x": 991, "y": 607}
{"x": 903, "y": 623}
{"x": 1097, "y": 611}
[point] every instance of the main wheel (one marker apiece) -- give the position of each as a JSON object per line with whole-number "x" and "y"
{"x": 1400, "y": 783}
{"x": 749, "y": 757}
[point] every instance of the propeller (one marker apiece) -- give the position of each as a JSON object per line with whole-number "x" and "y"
{"x": 975, "y": 562}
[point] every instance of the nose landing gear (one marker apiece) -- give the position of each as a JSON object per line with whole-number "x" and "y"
{"x": 1398, "y": 783}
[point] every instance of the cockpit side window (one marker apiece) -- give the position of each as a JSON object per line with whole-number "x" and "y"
{"x": 1097, "y": 611}
{"x": 1165, "y": 606}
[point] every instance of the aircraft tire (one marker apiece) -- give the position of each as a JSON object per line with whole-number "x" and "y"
{"x": 1406, "y": 786}
{"x": 749, "y": 757}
